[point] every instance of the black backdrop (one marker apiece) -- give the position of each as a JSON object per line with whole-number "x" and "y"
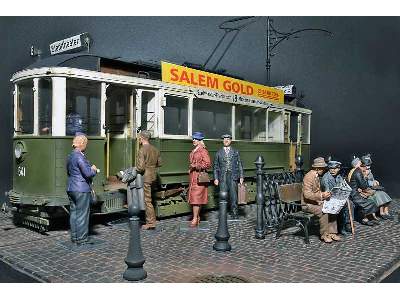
{"x": 350, "y": 81}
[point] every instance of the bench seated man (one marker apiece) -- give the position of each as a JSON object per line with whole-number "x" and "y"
{"x": 313, "y": 199}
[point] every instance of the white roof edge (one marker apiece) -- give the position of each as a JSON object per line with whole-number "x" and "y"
{"x": 123, "y": 79}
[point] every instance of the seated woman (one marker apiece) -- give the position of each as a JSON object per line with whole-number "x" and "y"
{"x": 361, "y": 193}
{"x": 381, "y": 198}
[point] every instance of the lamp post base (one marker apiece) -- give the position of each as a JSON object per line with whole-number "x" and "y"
{"x": 134, "y": 274}
{"x": 222, "y": 246}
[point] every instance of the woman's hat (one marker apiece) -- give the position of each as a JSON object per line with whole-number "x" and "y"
{"x": 198, "y": 136}
{"x": 319, "y": 162}
{"x": 355, "y": 161}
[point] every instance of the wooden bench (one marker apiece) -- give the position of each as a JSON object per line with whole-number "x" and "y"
{"x": 289, "y": 197}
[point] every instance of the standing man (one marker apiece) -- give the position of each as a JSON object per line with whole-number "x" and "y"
{"x": 328, "y": 182}
{"x": 228, "y": 170}
{"x": 313, "y": 199}
{"x": 148, "y": 161}
{"x": 80, "y": 174}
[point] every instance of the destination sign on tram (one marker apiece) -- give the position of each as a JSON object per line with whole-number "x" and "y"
{"x": 191, "y": 77}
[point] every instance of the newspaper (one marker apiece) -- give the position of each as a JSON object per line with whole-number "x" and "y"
{"x": 339, "y": 196}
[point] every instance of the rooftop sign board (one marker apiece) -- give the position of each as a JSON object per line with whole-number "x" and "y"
{"x": 200, "y": 79}
{"x": 71, "y": 44}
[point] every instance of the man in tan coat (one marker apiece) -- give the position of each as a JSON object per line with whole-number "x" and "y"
{"x": 313, "y": 198}
{"x": 148, "y": 161}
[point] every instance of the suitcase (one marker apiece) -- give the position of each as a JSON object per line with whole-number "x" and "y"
{"x": 242, "y": 194}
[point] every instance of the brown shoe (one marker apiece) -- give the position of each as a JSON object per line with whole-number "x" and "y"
{"x": 326, "y": 239}
{"x": 148, "y": 227}
{"x": 335, "y": 237}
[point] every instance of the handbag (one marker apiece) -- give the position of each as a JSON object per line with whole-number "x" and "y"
{"x": 203, "y": 177}
{"x": 93, "y": 196}
{"x": 242, "y": 193}
{"x": 367, "y": 193}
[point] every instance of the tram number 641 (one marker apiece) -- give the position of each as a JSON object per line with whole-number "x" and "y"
{"x": 21, "y": 171}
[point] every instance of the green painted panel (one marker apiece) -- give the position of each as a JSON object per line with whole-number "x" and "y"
{"x": 45, "y": 165}
{"x": 120, "y": 154}
{"x": 175, "y": 157}
{"x": 37, "y": 169}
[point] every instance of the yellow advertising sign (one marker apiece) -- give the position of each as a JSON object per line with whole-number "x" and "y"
{"x": 191, "y": 77}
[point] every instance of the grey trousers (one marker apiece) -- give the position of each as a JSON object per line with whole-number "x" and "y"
{"x": 79, "y": 215}
{"x": 230, "y": 186}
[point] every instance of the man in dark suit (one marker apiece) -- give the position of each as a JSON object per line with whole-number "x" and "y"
{"x": 228, "y": 170}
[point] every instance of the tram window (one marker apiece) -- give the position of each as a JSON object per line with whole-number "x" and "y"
{"x": 25, "y": 107}
{"x": 83, "y": 107}
{"x": 275, "y": 126}
{"x": 250, "y": 123}
{"x": 176, "y": 115}
{"x": 148, "y": 111}
{"x": 212, "y": 118}
{"x": 117, "y": 108}
{"x": 286, "y": 127}
{"x": 305, "y": 129}
{"x": 45, "y": 106}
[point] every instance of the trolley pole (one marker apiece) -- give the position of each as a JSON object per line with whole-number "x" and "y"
{"x": 260, "y": 232}
{"x": 222, "y": 236}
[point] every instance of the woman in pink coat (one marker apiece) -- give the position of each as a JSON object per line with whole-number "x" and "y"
{"x": 200, "y": 161}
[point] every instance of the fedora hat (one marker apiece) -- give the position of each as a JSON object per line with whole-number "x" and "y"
{"x": 319, "y": 162}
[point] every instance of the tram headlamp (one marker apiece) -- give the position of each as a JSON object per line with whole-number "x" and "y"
{"x": 19, "y": 150}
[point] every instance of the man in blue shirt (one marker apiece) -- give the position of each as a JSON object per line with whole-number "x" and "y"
{"x": 80, "y": 174}
{"x": 329, "y": 180}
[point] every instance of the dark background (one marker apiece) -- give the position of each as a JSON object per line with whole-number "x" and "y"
{"x": 350, "y": 81}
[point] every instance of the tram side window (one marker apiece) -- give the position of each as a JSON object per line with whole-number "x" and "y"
{"x": 275, "y": 126}
{"x": 83, "y": 107}
{"x": 250, "y": 123}
{"x": 117, "y": 108}
{"x": 148, "y": 111}
{"x": 212, "y": 118}
{"x": 45, "y": 106}
{"x": 25, "y": 107}
{"x": 176, "y": 115}
{"x": 305, "y": 128}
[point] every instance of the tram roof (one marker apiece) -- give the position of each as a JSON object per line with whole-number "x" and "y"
{"x": 94, "y": 62}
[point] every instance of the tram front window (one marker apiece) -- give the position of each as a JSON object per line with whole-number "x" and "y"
{"x": 176, "y": 115}
{"x": 45, "y": 106}
{"x": 25, "y": 107}
{"x": 83, "y": 107}
{"x": 212, "y": 118}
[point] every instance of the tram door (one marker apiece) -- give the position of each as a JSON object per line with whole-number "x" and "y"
{"x": 120, "y": 131}
{"x": 146, "y": 113}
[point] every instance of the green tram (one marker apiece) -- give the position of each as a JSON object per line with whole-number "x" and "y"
{"x": 115, "y": 100}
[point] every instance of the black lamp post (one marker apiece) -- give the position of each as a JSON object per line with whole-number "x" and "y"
{"x": 222, "y": 236}
{"x": 275, "y": 37}
{"x": 260, "y": 232}
{"x": 135, "y": 197}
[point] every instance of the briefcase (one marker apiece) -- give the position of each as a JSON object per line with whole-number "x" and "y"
{"x": 242, "y": 193}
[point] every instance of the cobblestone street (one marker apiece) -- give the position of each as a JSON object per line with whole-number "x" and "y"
{"x": 175, "y": 255}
